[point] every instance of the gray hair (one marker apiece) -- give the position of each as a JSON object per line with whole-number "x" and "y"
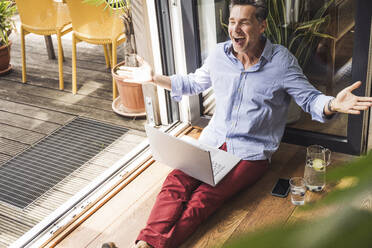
{"x": 261, "y": 7}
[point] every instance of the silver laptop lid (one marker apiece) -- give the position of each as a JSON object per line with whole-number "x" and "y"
{"x": 180, "y": 155}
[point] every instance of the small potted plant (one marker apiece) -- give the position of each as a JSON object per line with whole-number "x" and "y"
{"x": 7, "y": 11}
{"x": 130, "y": 92}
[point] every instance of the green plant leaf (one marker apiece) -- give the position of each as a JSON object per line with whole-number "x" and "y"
{"x": 299, "y": 37}
{"x": 224, "y": 25}
{"x": 123, "y": 5}
{"x": 321, "y": 35}
{"x": 323, "y": 9}
{"x": 276, "y": 35}
{"x": 309, "y": 24}
{"x": 7, "y": 11}
{"x": 349, "y": 228}
{"x": 290, "y": 47}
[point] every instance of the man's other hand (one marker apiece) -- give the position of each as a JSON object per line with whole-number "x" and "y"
{"x": 347, "y": 102}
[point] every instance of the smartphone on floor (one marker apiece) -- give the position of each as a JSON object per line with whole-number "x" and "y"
{"x": 281, "y": 188}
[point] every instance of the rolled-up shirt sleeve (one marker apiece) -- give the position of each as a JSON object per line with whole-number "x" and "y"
{"x": 304, "y": 94}
{"x": 191, "y": 84}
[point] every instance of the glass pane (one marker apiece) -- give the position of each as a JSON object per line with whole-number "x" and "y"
{"x": 213, "y": 17}
{"x": 327, "y": 62}
{"x": 318, "y": 32}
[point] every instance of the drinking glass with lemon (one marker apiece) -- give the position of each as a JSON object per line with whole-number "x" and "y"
{"x": 317, "y": 159}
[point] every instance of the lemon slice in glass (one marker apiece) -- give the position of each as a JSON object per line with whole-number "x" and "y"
{"x": 318, "y": 164}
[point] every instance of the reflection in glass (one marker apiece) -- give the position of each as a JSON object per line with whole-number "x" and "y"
{"x": 330, "y": 61}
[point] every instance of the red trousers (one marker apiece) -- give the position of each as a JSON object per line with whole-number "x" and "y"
{"x": 184, "y": 202}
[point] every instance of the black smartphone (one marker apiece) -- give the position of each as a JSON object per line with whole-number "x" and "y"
{"x": 281, "y": 188}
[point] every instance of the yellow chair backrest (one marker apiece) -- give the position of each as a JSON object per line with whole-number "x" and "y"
{"x": 42, "y": 14}
{"x": 94, "y": 22}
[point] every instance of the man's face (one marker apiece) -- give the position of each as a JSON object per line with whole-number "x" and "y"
{"x": 244, "y": 28}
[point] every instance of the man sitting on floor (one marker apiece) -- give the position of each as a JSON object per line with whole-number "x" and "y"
{"x": 253, "y": 81}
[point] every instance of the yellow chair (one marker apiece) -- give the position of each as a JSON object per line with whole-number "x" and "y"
{"x": 43, "y": 17}
{"x": 95, "y": 25}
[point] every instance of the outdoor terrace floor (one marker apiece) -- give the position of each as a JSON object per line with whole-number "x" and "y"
{"x": 29, "y": 112}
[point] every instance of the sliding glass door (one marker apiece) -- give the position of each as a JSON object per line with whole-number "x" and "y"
{"x": 333, "y": 53}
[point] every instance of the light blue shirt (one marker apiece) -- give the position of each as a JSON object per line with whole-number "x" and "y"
{"x": 251, "y": 104}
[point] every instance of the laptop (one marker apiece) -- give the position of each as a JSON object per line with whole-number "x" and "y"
{"x": 205, "y": 163}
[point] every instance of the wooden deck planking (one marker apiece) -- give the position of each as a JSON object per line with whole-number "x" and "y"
{"x": 43, "y": 114}
{"x": 27, "y": 123}
{"x": 4, "y": 158}
{"x": 11, "y": 147}
{"x": 92, "y": 86}
{"x": 20, "y": 135}
{"x": 72, "y": 108}
{"x": 55, "y": 95}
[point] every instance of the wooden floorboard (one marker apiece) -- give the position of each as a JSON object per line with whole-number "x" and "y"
{"x": 52, "y": 95}
{"x": 23, "y": 136}
{"x": 27, "y": 123}
{"x": 4, "y": 158}
{"x": 11, "y": 147}
{"x": 34, "y": 112}
{"x": 73, "y": 108}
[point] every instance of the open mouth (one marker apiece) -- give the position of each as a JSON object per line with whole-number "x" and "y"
{"x": 239, "y": 40}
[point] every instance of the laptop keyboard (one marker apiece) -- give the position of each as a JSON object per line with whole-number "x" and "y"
{"x": 217, "y": 168}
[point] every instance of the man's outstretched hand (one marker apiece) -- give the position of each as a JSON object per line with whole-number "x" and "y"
{"x": 347, "y": 102}
{"x": 142, "y": 74}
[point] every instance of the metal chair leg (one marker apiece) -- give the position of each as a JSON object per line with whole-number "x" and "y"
{"x": 74, "y": 83}
{"x": 108, "y": 62}
{"x": 23, "y": 34}
{"x": 60, "y": 61}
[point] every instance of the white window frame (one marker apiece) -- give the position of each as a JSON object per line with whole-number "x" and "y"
{"x": 189, "y": 106}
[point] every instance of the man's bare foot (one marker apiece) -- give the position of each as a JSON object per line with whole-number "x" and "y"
{"x": 142, "y": 244}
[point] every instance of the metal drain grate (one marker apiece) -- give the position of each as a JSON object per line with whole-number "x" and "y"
{"x": 30, "y": 174}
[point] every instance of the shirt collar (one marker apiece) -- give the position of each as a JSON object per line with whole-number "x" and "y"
{"x": 268, "y": 50}
{"x": 267, "y": 53}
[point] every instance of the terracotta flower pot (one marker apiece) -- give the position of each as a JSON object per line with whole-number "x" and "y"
{"x": 5, "y": 67}
{"x": 131, "y": 94}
